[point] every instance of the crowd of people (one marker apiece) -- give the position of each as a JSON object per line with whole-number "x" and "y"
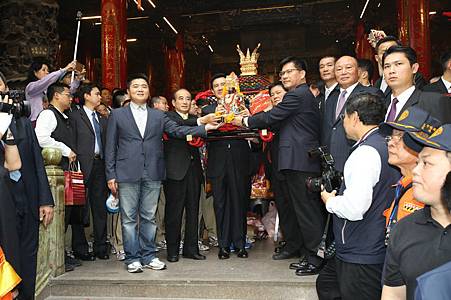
{"x": 385, "y": 226}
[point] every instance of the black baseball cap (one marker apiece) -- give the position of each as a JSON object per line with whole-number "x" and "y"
{"x": 412, "y": 119}
{"x": 440, "y": 139}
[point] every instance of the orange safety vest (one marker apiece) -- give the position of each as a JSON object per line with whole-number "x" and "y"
{"x": 8, "y": 278}
{"x": 406, "y": 204}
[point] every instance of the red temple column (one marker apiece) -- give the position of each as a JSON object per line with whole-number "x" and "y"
{"x": 414, "y": 30}
{"x": 175, "y": 67}
{"x": 114, "y": 44}
{"x": 363, "y": 47}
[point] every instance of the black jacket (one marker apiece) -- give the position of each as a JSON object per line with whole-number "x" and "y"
{"x": 333, "y": 133}
{"x": 85, "y": 139}
{"x": 33, "y": 172}
{"x": 437, "y": 87}
{"x": 437, "y": 105}
{"x": 178, "y": 154}
{"x": 299, "y": 132}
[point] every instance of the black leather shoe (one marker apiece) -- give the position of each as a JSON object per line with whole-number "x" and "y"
{"x": 309, "y": 269}
{"x": 299, "y": 265}
{"x": 196, "y": 256}
{"x": 72, "y": 261}
{"x": 172, "y": 259}
{"x": 68, "y": 267}
{"x": 242, "y": 253}
{"x": 102, "y": 256}
{"x": 284, "y": 255}
{"x": 223, "y": 253}
{"x": 85, "y": 256}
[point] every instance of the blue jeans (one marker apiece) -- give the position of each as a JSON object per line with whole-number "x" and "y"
{"x": 139, "y": 199}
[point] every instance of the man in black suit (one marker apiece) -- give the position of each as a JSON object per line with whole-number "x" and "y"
{"x": 182, "y": 184}
{"x": 443, "y": 85}
{"x": 90, "y": 132}
{"x": 299, "y": 120}
{"x": 327, "y": 73}
{"x": 228, "y": 170}
{"x": 382, "y": 46}
{"x": 400, "y": 65}
{"x": 333, "y": 134}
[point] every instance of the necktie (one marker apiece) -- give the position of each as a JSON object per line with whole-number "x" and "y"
{"x": 392, "y": 113}
{"x": 97, "y": 132}
{"x": 340, "y": 104}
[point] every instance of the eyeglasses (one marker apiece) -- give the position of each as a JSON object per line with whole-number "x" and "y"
{"x": 288, "y": 72}
{"x": 394, "y": 138}
{"x": 67, "y": 94}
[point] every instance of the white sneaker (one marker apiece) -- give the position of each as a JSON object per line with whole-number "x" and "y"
{"x": 120, "y": 255}
{"x": 202, "y": 247}
{"x": 135, "y": 267}
{"x": 155, "y": 264}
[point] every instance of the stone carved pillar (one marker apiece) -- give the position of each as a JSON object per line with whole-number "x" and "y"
{"x": 28, "y": 29}
{"x": 413, "y": 30}
{"x": 114, "y": 44}
{"x": 51, "y": 239}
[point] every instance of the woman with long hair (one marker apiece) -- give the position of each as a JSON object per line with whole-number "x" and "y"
{"x": 39, "y": 80}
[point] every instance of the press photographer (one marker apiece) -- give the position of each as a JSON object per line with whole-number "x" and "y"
{"x": 358, "y": 223}
{"x": 30, "y": 189}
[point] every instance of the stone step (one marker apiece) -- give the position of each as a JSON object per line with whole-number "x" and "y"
{"x": 182, "y": 289}
{"x": 258, "y": 277}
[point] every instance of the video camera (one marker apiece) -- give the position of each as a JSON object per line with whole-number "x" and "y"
{"x": 330, "y": 178}
{"x": 19, "y": 108}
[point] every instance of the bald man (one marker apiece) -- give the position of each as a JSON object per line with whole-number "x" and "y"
{"x": 333, "y": 134}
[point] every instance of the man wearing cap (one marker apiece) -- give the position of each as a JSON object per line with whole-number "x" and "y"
{"x": 403, "y": 153}
{"x": 420, "y": 242}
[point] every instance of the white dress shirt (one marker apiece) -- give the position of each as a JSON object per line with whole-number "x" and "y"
{"x": 182, "y": 115}
{"x": 402, "y": 100}
{"x": 384, "y": 85}
{"x": 361, "y": 173}
{"x": 140, "y": 115}
{"x": 89, "y": 113}
{"x": 447, "y": 84}
{"x": 45, "y": 125}
{"x": 348, "y": 90}
{"x": 327, "y": 90}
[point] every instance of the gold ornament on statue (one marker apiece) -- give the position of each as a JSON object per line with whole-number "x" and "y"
{"x": 248, "y": 62}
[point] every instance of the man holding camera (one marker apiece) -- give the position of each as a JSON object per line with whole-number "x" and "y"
{"x": 358, "y": 223}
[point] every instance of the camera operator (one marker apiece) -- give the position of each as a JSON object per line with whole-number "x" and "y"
{"x": 358, "y": 223}
{"x": 32, "y": 196}
{"x": 9, "y": 161}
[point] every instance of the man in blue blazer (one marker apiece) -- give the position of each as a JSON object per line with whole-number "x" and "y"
{"x": 135, "y": 167}
{"x": 299, "y": 119}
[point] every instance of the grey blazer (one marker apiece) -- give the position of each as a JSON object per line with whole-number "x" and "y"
{"x": 127, "y": 154}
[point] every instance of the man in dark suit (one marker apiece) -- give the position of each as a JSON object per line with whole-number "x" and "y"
{"x": 299, "y": 120}
{"x": 33, "y": 199}
{"x": 182, "y": 184}
{"x": 400, "y": 65}
{"x": 327, "y": 73}
{"x": 90, "y": 132}
{"x": 135, "y": 167}
{"x": 443, "y": 85}
{"x": 228, "y": 170}
{"x": 333, "y": 134}
{"x": 382, "y": 46}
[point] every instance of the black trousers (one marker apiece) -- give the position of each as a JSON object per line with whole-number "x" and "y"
{"x": 287, "y": 216}
{"x": 27, "y": 226}
{"x": 9, "y": 240}
{"x": 97, "y": 192}
{"x": 230, "y": 202}
{"x": 309, "y": 210}
{"x": 182, "y": 195}
{"x": 348, "y": 281}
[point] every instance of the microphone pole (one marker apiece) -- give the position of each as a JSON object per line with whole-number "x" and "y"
{"x": 79, "y": 15}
